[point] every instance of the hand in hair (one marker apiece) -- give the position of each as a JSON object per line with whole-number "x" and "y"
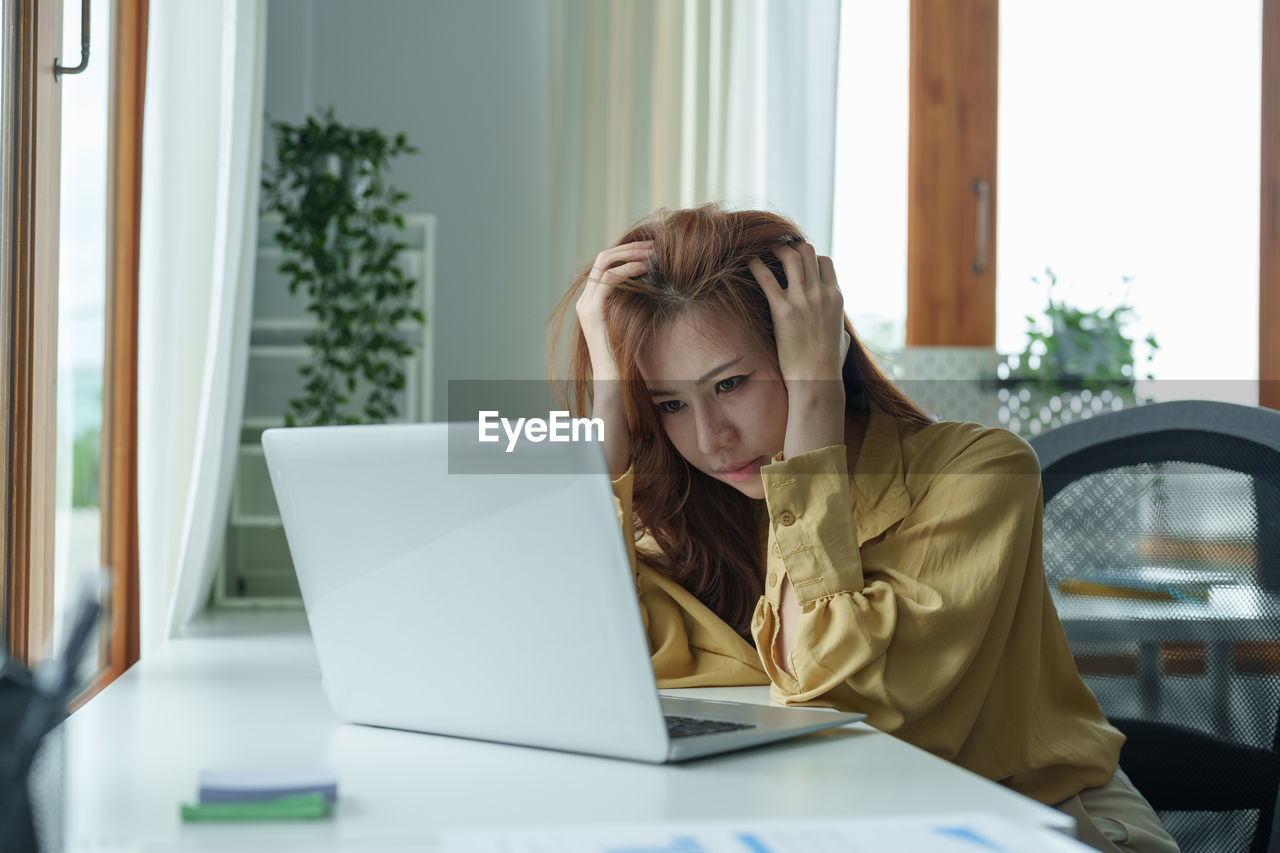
{"x": 611, "y": 266}
{"x": 808, "y": 325}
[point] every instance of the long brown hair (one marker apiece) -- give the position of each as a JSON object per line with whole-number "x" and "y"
{"x": 707, "y": 532}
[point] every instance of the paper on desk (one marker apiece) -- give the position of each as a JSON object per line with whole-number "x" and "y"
{"x": 955, "y": 833}
{"x": 250, "y": 784}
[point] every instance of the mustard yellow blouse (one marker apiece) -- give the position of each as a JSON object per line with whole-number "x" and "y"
{"x": 923, "y": 604}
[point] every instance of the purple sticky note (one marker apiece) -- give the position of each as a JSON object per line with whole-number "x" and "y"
{"x": 254, "y": 785}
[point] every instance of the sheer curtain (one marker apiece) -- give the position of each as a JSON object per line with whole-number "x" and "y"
{"x": 201, "y": 153}
{"x": 680, "y": 102}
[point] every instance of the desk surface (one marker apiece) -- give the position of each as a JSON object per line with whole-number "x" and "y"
{"x": 1232, "y": 612}
{"x": 246, "y": 692}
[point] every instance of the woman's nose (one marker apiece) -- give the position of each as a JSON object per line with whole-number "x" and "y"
{"x": 715, "y": 432}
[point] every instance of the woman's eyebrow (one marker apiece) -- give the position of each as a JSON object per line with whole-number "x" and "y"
{"x": 706, "y": 377}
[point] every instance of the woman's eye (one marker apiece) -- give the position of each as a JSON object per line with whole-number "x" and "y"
{"x": 731, "y": 383}
{"x": 669, "y": 407}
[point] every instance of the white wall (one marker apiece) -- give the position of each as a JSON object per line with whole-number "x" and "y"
{"x": 467, "y": 81}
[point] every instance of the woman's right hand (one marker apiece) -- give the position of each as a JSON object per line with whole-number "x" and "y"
{"x": 612, "y": 266}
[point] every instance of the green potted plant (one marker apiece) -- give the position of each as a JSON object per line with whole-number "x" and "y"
{"x": 1068, "y": 347}
{"x": 340, "y": 233}
{"x": 1071, "y": 351}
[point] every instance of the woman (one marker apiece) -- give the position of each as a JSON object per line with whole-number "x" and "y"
{"x": 799, "y": 522}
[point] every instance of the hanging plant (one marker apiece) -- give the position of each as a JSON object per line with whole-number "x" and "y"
{"x": 340, "y": 232}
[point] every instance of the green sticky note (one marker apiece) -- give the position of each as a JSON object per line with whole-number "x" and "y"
{"x": 301, "y": 807}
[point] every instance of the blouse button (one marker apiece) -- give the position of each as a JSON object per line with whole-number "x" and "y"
{"x": 773, "y": 579}
{"x": 787, "y": 518}
{"x": 777, "y": 552}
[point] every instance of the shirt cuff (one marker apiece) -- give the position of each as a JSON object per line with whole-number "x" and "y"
{"x": 810, "y": 510}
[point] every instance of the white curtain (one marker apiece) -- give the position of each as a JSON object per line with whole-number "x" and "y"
{"x": 678, "y": 102}
{"x": 201, "y": 153}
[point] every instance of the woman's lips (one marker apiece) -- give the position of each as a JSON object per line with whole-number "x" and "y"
{"x": 743, "y": 472}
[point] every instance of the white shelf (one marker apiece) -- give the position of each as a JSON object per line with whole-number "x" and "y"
{"x": 298, "y": 351}
{"x": 255, "y": 521}
{"x": 256, "y": 552}
{"x": 261, "y": 602}
{"x": 312, "y": 325}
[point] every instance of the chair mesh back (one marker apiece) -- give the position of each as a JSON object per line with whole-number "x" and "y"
{"x": 1174, "y": 514}
{"x": 1212, "y": 518}
{"x": 1200, "y": 522}
{"x": 1211, "y": 832}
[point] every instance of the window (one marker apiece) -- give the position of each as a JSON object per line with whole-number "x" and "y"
{"x": 60, "y": 523}
{"x": 82, "y": 289}
{"x": 869, "y": 226}
{"x": 1128, "y": 163}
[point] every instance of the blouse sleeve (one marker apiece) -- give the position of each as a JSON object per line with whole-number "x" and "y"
{"x": 690, "y": 645}
{"x": 893, "y": 639}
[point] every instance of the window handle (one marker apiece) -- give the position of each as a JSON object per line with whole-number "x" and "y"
{"x": 981, "y": 189}
{"x": 58, "y": 69}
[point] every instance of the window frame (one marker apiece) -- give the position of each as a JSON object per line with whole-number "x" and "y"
{"x": 118, "y": 486}
{"x": 28, "y": 296}
{"x": 1269, "y": 236}
{"x": 954, "y": 58}
{"x": 28, "y": 334}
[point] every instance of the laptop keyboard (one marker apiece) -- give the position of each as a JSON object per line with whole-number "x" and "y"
{"x": 688, "y": 726}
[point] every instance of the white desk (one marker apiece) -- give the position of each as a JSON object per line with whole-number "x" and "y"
{"x": 247, "y": 693}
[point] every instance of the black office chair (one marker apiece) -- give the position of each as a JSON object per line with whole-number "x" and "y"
{"x": 1187, "y": 493}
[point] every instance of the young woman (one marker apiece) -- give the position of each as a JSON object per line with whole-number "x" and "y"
{"x": 799, "y": 522}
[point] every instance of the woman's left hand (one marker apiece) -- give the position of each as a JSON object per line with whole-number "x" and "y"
{"x": 808, "y": 324}
{"x": 808, "y": 315}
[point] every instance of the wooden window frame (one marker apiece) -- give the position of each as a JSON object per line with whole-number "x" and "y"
{"x": 951, "y": 301}
{"x": 118, "y": 485}
{"x": 1269, "y": 226}
{"x": 29, "y": 325}
{"x": 28, "y": 335}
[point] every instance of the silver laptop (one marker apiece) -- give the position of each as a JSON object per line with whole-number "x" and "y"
{"x": 457, "y": 589}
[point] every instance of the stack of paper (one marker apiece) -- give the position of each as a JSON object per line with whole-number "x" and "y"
{"x": 956, "y": 833}
{"x": 273, "y": 794}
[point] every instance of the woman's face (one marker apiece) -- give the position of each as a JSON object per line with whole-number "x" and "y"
{"x": 720, "y": 399}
